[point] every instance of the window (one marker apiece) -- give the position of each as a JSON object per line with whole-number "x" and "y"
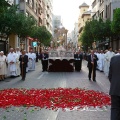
{"x": 94, "y": 4}
{"x": 101, "y": 1}
{"x": 40, "y": 20}
{"x": 106, "y": 11}
{"x": 33, "y": 4}
{"x": 102, "y": 14}
{"x": 36, "y": 9}
{"x": 30, "y": 3}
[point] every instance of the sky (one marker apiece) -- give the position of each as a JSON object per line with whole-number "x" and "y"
{"x": 69, "y": 11}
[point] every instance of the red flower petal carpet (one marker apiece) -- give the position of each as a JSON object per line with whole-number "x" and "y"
{"x": 53, "y": 98}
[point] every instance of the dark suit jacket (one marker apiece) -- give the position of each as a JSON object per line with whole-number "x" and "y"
{"x": 44, "y": 56}
{"x": 114, "y": 75}
{"x": 78, "y": 56}
{"x": 24, "y": 59}
{"x": 89, "y": 65}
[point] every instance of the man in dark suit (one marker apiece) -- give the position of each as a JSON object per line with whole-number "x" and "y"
{"x": 44, "y": 60}
{"x": 78, "y": 61}
{"x": 37, "y": 56}
{"x": 92, "y": 64}
{"x": 23, "y": 64}
{"x": 114, "y": 78}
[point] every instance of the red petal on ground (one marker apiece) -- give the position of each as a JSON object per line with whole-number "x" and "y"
{"x": 53, "y": 98}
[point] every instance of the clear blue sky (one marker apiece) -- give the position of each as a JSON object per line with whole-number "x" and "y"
{"x": 69, "y": 11}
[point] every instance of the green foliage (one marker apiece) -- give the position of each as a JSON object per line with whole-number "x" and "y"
{"x": 95, "y": 30}
{"x": 6, "y": 20}
{"x": 17, "y": 23}
{"x": 13, "y": 22}
{"x": 42, "y": 34}
{"x": 23, "y": 25}
{"x": 107, "y": 32}
{"x": 115, "y": 26}
{"x": 3, "y": 6}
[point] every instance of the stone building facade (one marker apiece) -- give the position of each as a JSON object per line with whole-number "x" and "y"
{"x": 105, "y": 9}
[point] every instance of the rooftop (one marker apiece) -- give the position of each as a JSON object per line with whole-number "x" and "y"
{"x": 84, "y": 5}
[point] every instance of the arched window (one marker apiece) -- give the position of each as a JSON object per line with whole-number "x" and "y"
{"x": 33, "y": 4}
{"x": 30, "y": 3}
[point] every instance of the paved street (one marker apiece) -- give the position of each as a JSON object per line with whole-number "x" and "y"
{"x": 39, "y": 79}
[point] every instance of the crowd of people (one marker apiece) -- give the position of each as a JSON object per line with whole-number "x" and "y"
{"x": 101, "y": 59}
{"x": 13, "y": 64}
{"x": 10, "y": 65}
{"x": 18, "y": 63}
{"x": 104, "y": 58}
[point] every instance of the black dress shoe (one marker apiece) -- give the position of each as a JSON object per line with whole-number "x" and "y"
{"x": 89, "y": 79}
{"x": 94, "y": 80}
{"x": 23, "y": 79}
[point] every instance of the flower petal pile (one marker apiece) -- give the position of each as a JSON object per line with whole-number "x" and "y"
{"x": 53, "y": 98}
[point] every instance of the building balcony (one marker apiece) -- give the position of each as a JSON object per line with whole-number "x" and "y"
{"x": 80, "y": 29}
{"x": 10, "y": 2}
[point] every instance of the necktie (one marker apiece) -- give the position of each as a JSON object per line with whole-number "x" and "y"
{"x": 92, "y": 58}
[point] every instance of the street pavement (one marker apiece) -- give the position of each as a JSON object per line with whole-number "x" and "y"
{"x": 39, "y": 79}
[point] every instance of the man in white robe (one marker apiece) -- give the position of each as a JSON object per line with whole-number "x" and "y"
{"x": 118, "y": 53}
{"x": 98, "y": 55}
{"x": 31, "y": 60}
{"x": 11, "y": 60}
{"x": 18, "y": 53}
{"x": 101, "y": 61}
{"x": 105, "y": 61}
{"x": 27, "y": 63}
{"x": 108, "y": 57}
{"x": 3, "y": 67}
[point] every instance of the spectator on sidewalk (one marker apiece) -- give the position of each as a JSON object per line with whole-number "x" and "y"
{"x": 114, "y": 78}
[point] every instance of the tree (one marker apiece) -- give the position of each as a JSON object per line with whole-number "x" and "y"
{"x": 3, "y": 6}
{"x": 115, "y": 26}
{"x": 12, "y": 22}
{"x": 23, "y": 25}
{"x": 95, "y": 30}
{"x": 90, "y": 33}
{"x": 6, "y": 21}
{"x": 42, "y": 35}
{"x": 45, "y": 36}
